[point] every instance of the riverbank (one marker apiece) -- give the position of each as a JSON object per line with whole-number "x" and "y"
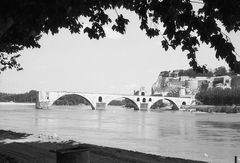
{"x": 212, "y": 108}
{"x": 27, "y": 148}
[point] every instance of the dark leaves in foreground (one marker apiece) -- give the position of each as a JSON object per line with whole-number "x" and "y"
{"x": 22, "y": 23}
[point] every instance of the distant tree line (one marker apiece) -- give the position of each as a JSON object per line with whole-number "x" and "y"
{"x": 220, "y": 71}
{"x": 219, "y": 96}
{"x": 193, "y": 74}
{"x": 28, "y": 97}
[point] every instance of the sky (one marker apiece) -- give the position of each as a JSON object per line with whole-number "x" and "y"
{"x": 117, "y": 64}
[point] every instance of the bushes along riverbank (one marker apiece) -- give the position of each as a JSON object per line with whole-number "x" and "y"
{"x": 215, "y": 109}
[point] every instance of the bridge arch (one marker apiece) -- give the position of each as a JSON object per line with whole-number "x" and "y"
{"x": 175, "y": 105}
{"x": 174, "y": 101}
{"x": 136, "y": 107}
{"x": 154, "y": 103}
{"x": 89, "y": 102}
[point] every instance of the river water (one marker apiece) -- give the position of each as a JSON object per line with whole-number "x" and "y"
{"x": 198, "y": 136}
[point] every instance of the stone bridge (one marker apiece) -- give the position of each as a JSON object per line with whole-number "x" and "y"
{"x": 100, "y": 101}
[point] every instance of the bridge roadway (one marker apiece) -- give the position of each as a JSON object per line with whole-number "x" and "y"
{"x": 100, "y": 101}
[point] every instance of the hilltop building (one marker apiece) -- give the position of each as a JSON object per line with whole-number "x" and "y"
{"x": 140, "y": 92}
{"x": 171, "y": 84}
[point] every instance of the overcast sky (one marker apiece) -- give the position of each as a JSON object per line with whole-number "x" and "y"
{"x": 116, "y": 64}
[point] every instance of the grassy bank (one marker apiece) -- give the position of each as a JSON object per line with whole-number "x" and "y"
{"x": 215, "y": 109}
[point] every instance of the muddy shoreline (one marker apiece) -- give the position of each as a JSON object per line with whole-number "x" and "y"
{"x": 21, "y": 147}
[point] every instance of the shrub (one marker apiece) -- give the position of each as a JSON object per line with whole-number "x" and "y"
{"x": 223, "y": 109}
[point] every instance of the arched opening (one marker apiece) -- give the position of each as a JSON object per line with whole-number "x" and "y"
{"x": 174, "y": 106}
{"x": 117, "y": 102}
{"x": 158, "y": 104}
{"x": 131, "y": 104}
{"x": 124, "y": 102}
{"x": 72, "y": 99}
{"x": 183, "y": 103}
{"x": 138, "y": 99}
{"x": 99, "y": 99}
{"x": 150, "y": 100}
{"x": 142, "y": 93}
{"x": 144, "y": 100}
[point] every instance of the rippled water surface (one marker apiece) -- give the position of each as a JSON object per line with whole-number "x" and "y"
{"x": 198, "y": 136}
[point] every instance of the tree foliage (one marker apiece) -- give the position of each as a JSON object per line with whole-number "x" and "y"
{"x": 191, "y": 73}
{"x": 219, "y": 96}
{"x": 29, "y": 97}
{"x": 220, "y": 71}
{"x": 23, "y": 21}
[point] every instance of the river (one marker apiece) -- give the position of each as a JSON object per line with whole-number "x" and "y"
{"x": 199, "y": 136}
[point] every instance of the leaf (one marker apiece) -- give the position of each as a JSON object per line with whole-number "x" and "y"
{"x": 152, "y": 32}
{"x": 165, "y": 44}
{"x": 120, "y": 25}
{"x": 191, "y": 55}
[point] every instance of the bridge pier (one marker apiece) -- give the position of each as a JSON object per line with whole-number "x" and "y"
{"x": 100, "y": 105}
{"x": 43, "y": 100}
{"x": 43, "y": 105}
{"x": 144, "y": 106}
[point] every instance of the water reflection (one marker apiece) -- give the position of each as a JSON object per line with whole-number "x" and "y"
{"x": 220, "y": 125}
{"x": 218, "y": 130}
